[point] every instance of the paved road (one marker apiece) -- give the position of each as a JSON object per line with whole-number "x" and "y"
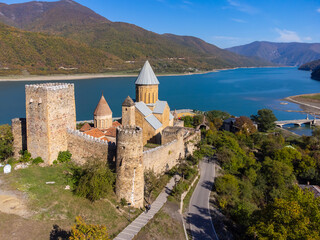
{"x": 133, "y": 228}
{"x": 199, "y": 218}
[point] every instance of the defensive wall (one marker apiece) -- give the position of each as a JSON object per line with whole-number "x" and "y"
{"x": 84, "y": 147}
{"x": 19, "y": 132}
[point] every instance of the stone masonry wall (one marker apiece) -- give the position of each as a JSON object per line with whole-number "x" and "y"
{"x": 19, "y": 132}
{"x": 84, "y": 147}
{"x": 129, "y": 166}
{"x": 50, "y": 111}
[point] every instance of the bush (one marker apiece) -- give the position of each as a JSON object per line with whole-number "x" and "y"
{"x": 25, "y": 156}
{"x": 6, "y": 139}
{"x": 123, "y": 202}
{"x": 94, "y": 181}
{"x": 64, "y": 156}
{"x": 37, "y": 160}
{"x": 84, "y": 231}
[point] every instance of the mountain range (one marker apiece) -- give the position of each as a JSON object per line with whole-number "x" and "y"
{"x": 284, "y": 54}
{"x": 125, "y": 45}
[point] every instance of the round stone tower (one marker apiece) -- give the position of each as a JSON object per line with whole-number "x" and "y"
{"x": 102, "y": 115}
{"x": 147, "y": 85}
{"x": 129, "y": 165}
{"x": 128, "y": 112}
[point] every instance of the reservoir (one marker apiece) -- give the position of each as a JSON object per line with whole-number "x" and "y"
{"x": 238, "y": 91}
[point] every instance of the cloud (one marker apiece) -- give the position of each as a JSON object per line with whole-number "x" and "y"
{"x": 318, "y": 10}
{"x": 238, "y": 20}
{"x": 242, "y": 7}
{"x": 288, "y": 36}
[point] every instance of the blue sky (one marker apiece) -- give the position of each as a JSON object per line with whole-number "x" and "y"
{"x": 224, "y": 23}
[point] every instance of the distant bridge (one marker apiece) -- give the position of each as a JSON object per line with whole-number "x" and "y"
{"x": 297, "y": 122}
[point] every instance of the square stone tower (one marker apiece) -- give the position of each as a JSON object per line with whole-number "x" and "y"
{"x": 50, "y": 111}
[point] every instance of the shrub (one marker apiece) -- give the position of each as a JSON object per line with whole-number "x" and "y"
{"x": 6, "y": 139}
{"x": 84, "y": 231}
{"x": 25, "y": 156}
{"x": 37, "y": 160}
{"x": 94, "y": 181}
{"x": 64, "y": 156}
{"x": 123, "y": 202}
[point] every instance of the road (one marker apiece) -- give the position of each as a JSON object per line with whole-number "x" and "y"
{"x": 199, "y": 218}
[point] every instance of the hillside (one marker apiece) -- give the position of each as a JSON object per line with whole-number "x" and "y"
{"x": 286, "y": 54}
{"x": 168, "y": 53}
{"x": 310, "y": 66}
{"x": 37, "y": 53}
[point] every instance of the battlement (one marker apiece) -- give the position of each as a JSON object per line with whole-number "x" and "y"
{"x": 129, "y": 130}
{"x": 87, "y": 137}
{"x": 50, "y": 86}
{"x": 160, "y": 147}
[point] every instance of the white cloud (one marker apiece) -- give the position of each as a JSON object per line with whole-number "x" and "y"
{"x": 288, "y": 36}
{"x": 242, "y": 7}
{"x": 238, "y": 20}
{"x": 318, "y": 10}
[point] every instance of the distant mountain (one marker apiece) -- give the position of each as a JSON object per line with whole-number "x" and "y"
{"x": 286, "y": 54}
{"x": 38, "y": 53}
{"x": 132, "y": 44}
{"x": 310, "y": 66}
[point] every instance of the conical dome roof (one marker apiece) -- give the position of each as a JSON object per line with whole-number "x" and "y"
{"x": 102, "y": 108}
{"x": 147, "y": 76}
{"x": 128, "y": 102}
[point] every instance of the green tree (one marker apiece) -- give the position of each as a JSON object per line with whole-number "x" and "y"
{"x": 265, "y": 119}
{"x": 6, "y": 139}
{"x": 64, "y": 156}
{"x": 245, "y": 125}
{"x": 211, "y": 115}
{"x": 94, "y": 181}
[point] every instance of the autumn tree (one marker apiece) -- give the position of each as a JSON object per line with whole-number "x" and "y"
{"x": 245, "y": 125}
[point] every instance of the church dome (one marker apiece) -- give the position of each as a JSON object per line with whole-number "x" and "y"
{"x": 147, "y": 76}
{"x": 102, "y": 108}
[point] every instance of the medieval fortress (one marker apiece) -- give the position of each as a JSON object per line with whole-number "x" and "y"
{"x": 50, "y": 127}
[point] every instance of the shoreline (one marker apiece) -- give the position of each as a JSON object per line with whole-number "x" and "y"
{"x": 309, "y": 106}
{"x": 82, "y": 76}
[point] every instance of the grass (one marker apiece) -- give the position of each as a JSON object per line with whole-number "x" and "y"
{"x": 162, "y": 226}
{"x": 53, "y": 202}
{"x": 314, "y": 97}
{"x": 151, "y": 145}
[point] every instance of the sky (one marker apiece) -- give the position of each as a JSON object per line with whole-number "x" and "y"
{"x": 224, "y": 23}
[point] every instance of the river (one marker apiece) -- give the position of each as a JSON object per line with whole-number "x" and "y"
{"x": 238, "y": 91}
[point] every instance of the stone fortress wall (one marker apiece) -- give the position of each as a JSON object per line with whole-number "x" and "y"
{"x": 84, "y": 147}
{"x": 129, "y": 165}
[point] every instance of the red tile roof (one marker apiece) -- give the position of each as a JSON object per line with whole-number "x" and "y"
{"x": 95, "y": 132}
{"x": 85, "y": 127}
{"x": 116, "y": 124}
{"x": 111, "y": 132}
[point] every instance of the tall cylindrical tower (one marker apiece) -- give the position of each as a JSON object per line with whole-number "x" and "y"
{"x": 129, "y": 165}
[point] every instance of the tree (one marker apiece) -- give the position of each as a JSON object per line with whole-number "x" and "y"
{"x": 211, "y": 115}
{"x": 6, "y": 139}
{"x": 83, "y": 231}
{"x": 265, "y": 119}
{"x": 64, "y": 156}
{"x": 245, "y": 125}
{"x": 94, "y": 181}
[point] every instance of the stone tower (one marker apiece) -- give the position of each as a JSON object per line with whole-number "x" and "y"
{"x": 128, "y": 112}
{"x": 102, "y": 115}
{"x": 147, "y": 85}
{"x": 129, "y": 165}
{"x": 50, "y": 111}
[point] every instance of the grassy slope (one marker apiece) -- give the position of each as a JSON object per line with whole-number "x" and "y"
{"x": 40, "y": 53}
{"x": 52, "y": 204}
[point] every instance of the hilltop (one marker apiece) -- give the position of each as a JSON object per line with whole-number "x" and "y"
{"x": 285, "y": 54}
{"x": 128, "y": 42}
{"x": 38, "y": 53}
{"x": 310, "y": 66}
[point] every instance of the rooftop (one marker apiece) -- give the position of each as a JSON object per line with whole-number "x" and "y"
{"x": 154, "y": 122}
{"x": 147, "y": 76}
{"x": 159, "y": 107}
{"x": 95, "y": 132}
{"x": 143, "y": 108}
{"x": 128, "y": 102}
{"x": 102, "y": 108}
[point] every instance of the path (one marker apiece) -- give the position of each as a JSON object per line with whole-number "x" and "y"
{"x": 133, "y": 228}
{"x": 199, "y": 217}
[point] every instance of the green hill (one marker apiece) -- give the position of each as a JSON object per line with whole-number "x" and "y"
{"x": 132, "y": 44}
{"x": 38, "y": 53}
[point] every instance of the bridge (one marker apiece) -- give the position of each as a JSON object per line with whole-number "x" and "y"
{"x": 297, "y": 122}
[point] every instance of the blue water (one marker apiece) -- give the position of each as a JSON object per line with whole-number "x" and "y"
{"x": 239, "y": 91}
